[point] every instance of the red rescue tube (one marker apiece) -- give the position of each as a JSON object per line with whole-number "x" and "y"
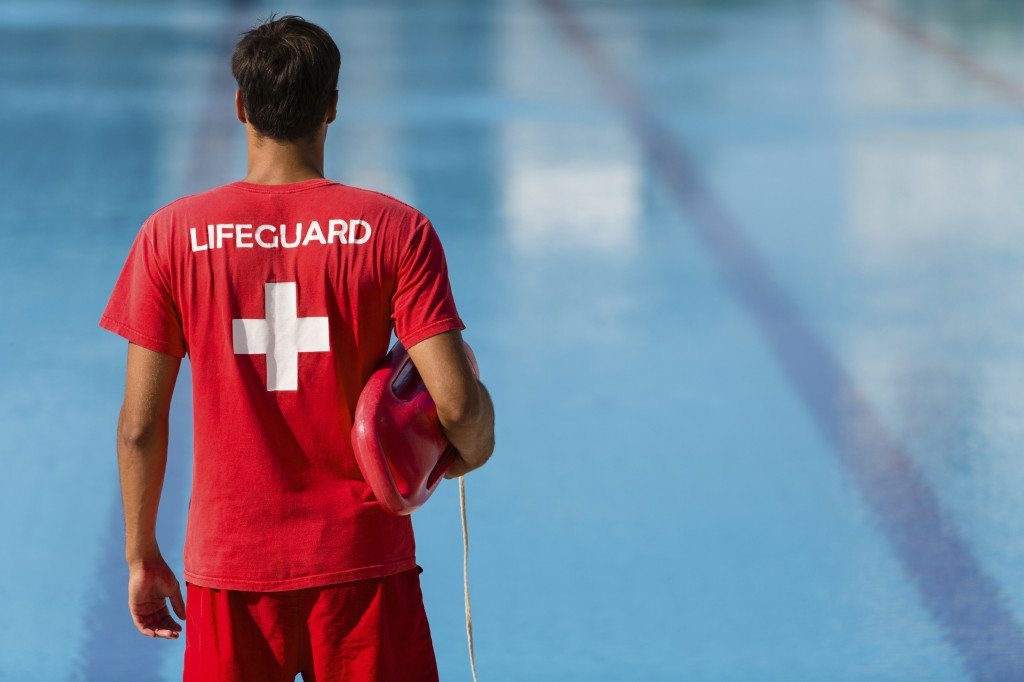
{"x": 397, "y": 439}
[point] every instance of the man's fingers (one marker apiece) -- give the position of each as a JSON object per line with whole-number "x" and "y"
{"x": 141, "y": 627}
{"x": 178, "y": 602}
{"x": 167, "y": 633}
{"x": 160, "y": 633}
{"x": 144, "y": 628}
{"x": 163, "y": 620}
{"x": 158, "y": 624}
{"x": 166, "y": 629}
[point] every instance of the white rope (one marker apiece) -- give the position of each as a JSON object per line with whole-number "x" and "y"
{"x": 465, "y": 573}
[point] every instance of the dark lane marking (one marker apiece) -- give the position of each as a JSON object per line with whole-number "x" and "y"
{"x": 1005, "y": 87}
{"x": 963, "y": 600}
{"x": 112, "y": 648}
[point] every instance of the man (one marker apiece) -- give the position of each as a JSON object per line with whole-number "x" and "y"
{"x": 283, "y": 289}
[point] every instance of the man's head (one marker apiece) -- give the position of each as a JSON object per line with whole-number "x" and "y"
{"x": 287, "y": 74}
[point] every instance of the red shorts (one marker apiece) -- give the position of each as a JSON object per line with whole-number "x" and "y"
{"x": 372, "y": 629}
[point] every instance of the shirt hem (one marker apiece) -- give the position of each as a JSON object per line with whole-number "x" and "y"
{"x": 446, "y": 325}
{"x": 317, "y": 580}
{"x": 140, "y": 339}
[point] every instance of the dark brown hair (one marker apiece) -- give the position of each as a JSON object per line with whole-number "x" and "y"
{"x": 287, "y": 70}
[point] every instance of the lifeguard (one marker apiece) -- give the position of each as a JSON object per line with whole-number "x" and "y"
{"x": 244, "y": 236}
{"x": 290, "y": 566}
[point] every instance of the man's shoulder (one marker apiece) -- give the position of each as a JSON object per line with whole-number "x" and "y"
{"x": 191, "y": 207}
{"x": 182, "y": 204}
{"x": 373, "y": 197}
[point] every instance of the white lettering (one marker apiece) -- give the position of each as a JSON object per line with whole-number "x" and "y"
{"x": 284, "y": 239}
{"x": 332, "y": 230}
{"x": 312, "y": 233}
{"x": 195, "y": 242}
{"x": 243, "y": 232}
{"x": 223, "y": 230}
{"x": 259, "y": 239}
{"x": 266, "y": 236}
{"x": 366, "y": 236}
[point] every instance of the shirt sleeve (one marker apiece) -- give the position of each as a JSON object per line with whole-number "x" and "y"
{"x": 422, "y": 304}
{"x": 141, "y": 308}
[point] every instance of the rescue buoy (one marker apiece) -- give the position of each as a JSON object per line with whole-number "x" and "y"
{"x": 397, "y": 438}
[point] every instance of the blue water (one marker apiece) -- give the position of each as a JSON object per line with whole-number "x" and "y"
{"x": 742, "y": 279}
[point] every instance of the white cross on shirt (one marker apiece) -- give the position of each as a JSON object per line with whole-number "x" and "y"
{"x": 281, "y": 336}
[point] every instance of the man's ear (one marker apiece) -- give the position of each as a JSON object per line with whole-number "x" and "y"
{"x": 332, "y": 110}
{"x": 239, "y": 105}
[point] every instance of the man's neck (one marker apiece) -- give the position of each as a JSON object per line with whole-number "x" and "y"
{"x": 273, "y": 162}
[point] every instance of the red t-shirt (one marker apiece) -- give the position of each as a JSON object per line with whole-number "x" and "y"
{"x": 284, "y": 298}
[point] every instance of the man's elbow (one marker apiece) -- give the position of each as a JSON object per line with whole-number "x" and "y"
{"x": 461, "y": 412}
{"x": 139, "y": 434}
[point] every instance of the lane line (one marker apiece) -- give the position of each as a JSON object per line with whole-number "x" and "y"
{"x": 960, "y": 596}
{"x": 112, "y": 648}
{"x": 1005, "y": 87}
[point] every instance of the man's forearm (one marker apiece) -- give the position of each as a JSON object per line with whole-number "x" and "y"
{"x": 142, "y": 461}
{"x": 474, "y": 437}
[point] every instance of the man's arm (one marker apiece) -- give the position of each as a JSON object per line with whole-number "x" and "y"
{"x": 142, "y": 458}
{"x": 464, "y": 406}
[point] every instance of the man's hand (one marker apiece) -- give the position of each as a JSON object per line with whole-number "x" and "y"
{"x": 458, "y": 467}
{"x": 150, "y": 585}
